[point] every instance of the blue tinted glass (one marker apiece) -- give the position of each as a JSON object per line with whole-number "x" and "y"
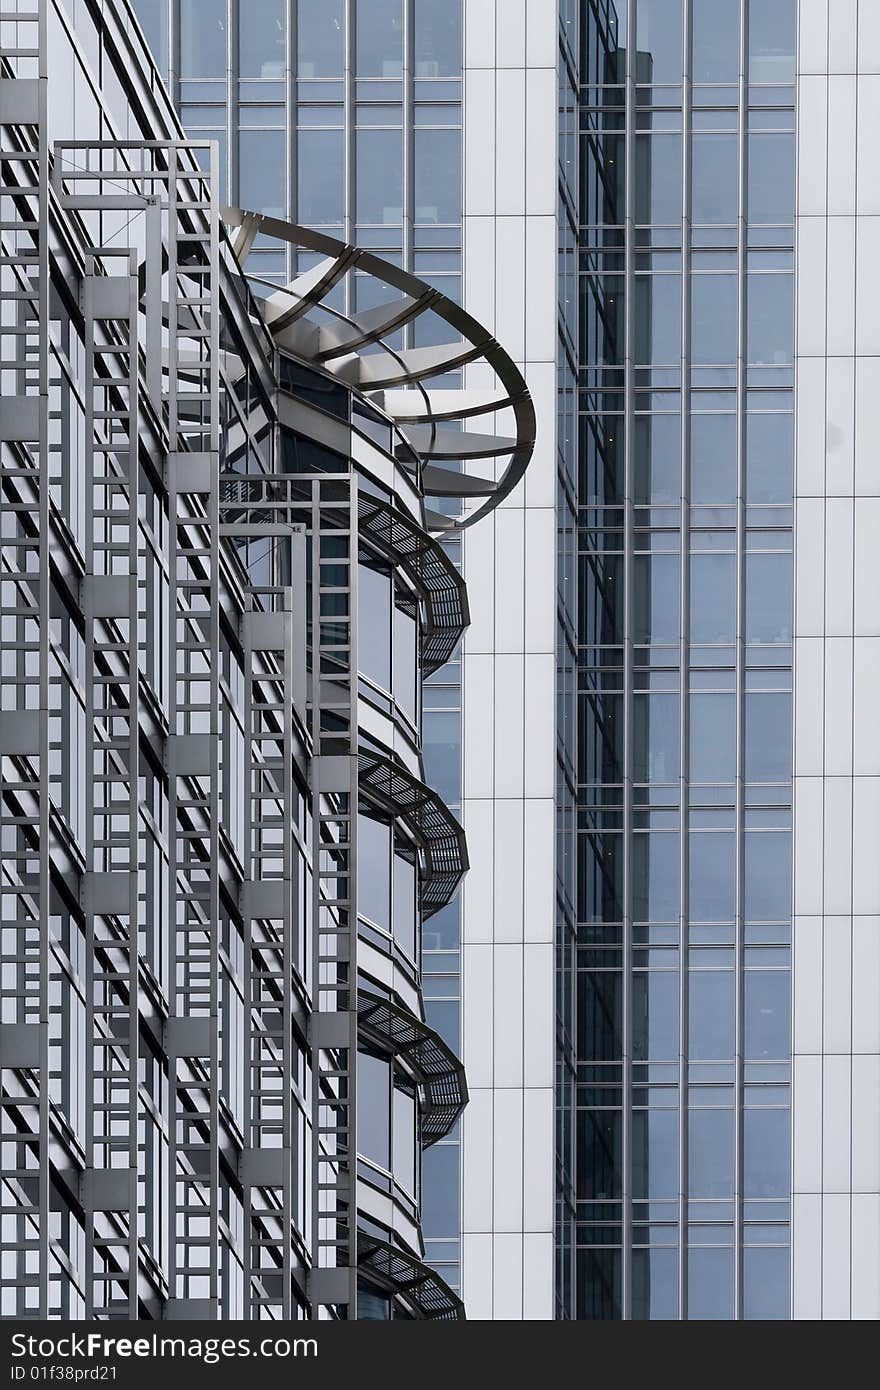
{"x": 599, "y": 1142}
{"x": 712, "y": 876}
{"x": 374, "y": 870}
{"x": 441, "y": 749}
{"x": 262, "y": 40}
{"x": 712, "y": 738}
{"x": 655, "y": 867}
{"x": 437, "y": 176}
{"x": 715, "y": 31}
{"x": 320, "y": 38}
{"x": 715, "y": 179}
{"x": 655, "y": 1154}
{"x": 658, "y": 319}
{"x": 772, "y": 39}
{"x": 374, "y": 624}
{"x": 656, "y": 598}
{"x": 770, "y": 340}
{"x": 440, "y": 1191}
{"x": 658, "y": 179}
{"x": 656, "y": 738}
{"x": 710, "y": 1285}
{"x": 768, "y": 598}
{"x": 771, "y": 160}
{"x": 437, "y": 38}
{"x": 262, "y": 182}
{"x": 710, "y": 1015}
{"x": 714, "y": 317}
{"x": 379, "y": 176}
{"x": 659, "y": 41}
{"x": 321, "y": 187}
{"x": 153, "y": 16}
{"x": 768, "y": 736}
{"x": 767, "y": 1015}
{"x": 769, "y": 458}
{"x": 655, "y": 1015}
{"x": 657, "y": 463}
{"x": 379, "y": 38}
{"x": 766, "y": 1153}
{"x": 768, "y": 876}
{"x": 655, "y": 1284}
{"x": 766, "y": 1295}
{"x": 599, "y": 1016}
{"x": 711, "y": 1151}
{"x": 713, "y": 458}
{"x": 713, "y": 599}
{"x": 374, "y": 1109}
{"x": 598, "y": 1285}
{"x": 203, "y": 38}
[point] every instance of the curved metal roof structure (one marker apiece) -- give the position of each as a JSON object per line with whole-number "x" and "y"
{"x": 354, "y": 348}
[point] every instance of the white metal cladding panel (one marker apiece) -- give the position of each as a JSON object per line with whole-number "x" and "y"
{"x": 509, "y": 680}
{"x": 836, "y": 984}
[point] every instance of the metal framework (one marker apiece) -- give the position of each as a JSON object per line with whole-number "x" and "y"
{"x": 179, "y": 1061}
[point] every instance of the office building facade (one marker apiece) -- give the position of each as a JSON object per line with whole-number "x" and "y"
{"x": 222, "y": 592}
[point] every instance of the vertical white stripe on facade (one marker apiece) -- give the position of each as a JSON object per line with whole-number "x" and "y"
{"x": 509, "y": 676}
{"x": 836, "y": 966}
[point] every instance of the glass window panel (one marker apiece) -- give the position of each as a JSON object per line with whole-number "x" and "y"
{"x": 768, "y": 736}
{"x": 767, "y": 1015}
{"x": 379, "y": 176}
{"x": 657, "y": 459}
{"x": 203, "y": 36}
{"x": 598, "y": 1285}
{"x": 712, "y": 738}
{"x": 713, "y": 459}
{"x": 659, "y": 42}
{"x": 710, "y": 1015}
{"x": 657, "y": 319}
{"x": 770, "y": 300}
{"x": 655, "y": 1016}
{"x": 766, "y": 1283}
{"x": 441, "y": 750}
{"x": 440, "y": 1192}
{"x": 772, "y": 37}
{"x": 656, "y": 738}
{"x": 374, "y": 870}
{"x": 379, "y": 38}
{"x": 262, "y": 182}
{"x": 713, "y": 599}
{"x": 373, "y": 1109}
{"x": 600, "y": 878}
{"x": 404, "y": 1139}
{"x": 711, "y": 1148}
{"x": 655, "y": 1285}
{"x": 656, "y": 598}
{"x": 442, "y": 931}
{"x": 374, "y": 625}
{"x": 658, "y": 174}
{"x": 766, "y": 1152}
{"x": 656, "y": 879}
{"x": 655, "y": 1154}
{"x": 599, "y": 1016}
{"x": 769, "y": 458}
{"x": 262, "y": 46}
{"x": 153, "y": 16}
{"x": 444, "y": 1016}
{"x": 598, "y": 1155}
{"x": 437, "y": 187}
{"x": 437, "y": 38}
{"x": 768, "y": 876}
{"x": 321, "y": 180}
{"x": 710, "y": 1285}
{"x": 714, "y": 317}
{"x": 771, "y": 162}
{"x": 405, "y": 905}
{"x": 715, "y": 30}
{"x": 712, "y": 876}
{"x": 714, "y": 179}
{"x": 768, "y": 598}
{"x": 405, "y": 663}
{"x": 320, "y": 38}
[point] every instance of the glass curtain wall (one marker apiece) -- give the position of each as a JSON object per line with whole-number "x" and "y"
{"x": 674, "y": 1192}
{"x": 346, "y": 115}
